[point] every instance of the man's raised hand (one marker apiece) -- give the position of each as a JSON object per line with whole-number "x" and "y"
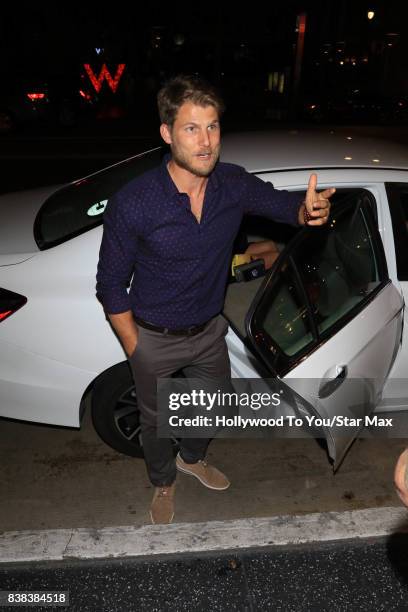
{"x": 316, "y": 204}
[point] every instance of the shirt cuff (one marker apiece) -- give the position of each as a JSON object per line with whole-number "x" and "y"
{"x": 295, "y": 204}
{"x": 115, "y": 304}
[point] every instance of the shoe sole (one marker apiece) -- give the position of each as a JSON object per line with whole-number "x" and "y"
{"x": 200, "y": 479}
{"x": 153, "y": 523}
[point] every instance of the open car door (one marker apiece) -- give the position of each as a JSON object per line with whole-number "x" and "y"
{"x": 328, "y": 319}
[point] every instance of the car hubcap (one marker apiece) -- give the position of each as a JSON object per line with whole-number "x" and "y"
{"x": 126, "y": 417}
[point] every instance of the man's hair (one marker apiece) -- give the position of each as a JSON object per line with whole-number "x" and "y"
{"x": 186, "y": 88}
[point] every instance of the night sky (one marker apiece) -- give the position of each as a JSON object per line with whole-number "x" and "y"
{"x": 250, "y": 54}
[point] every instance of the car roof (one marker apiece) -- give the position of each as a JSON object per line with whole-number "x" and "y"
{"x": 307, "y": 149}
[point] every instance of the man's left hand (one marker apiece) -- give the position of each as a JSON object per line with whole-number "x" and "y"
{"x": 317, "y": 204}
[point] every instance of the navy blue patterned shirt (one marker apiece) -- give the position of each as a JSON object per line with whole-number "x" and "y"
{"x": 180, "y": 266}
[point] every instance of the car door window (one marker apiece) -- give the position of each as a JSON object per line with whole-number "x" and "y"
{"x": 325, "y": 277}
{"x": 340, "y": 270}
{"x": 286, "y": 319}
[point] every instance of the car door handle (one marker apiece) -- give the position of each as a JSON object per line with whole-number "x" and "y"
{"x": 329, "y": 386}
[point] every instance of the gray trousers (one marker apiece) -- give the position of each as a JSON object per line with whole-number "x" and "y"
{"x": 159, "y": 355}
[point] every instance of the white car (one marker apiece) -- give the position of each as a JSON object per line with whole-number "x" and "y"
{"x": 329, "y": 311}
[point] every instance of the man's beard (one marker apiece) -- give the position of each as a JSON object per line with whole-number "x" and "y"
{"x": 183, "y": 162}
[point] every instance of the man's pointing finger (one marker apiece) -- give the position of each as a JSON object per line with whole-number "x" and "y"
{"x": 312, "y": 182}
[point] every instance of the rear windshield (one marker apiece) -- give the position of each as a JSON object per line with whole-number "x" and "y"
{"x": 79, "y": 207}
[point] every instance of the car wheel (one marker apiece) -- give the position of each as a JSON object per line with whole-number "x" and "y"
{"x": 115, "y": 413}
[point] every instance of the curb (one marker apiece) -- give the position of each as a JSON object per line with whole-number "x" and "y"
{"x": 215, "y": 536}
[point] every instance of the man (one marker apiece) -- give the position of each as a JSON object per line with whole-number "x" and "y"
{"x": 174, "y": 228}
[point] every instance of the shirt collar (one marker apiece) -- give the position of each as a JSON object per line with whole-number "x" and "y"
{"x": 171, "y": 188}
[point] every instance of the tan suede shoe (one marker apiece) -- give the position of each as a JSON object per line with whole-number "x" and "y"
{"x": 162, "y": 508}
{"x": 208, "y": 475}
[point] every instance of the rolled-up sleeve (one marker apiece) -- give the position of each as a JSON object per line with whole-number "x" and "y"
{"x": 122, "y": 225}
{"x": 261, "y": 198}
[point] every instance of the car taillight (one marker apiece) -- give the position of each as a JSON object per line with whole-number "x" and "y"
{"x": 10, "y": 302}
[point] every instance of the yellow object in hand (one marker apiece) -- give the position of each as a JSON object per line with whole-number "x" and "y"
{"x": 239, "y": 259}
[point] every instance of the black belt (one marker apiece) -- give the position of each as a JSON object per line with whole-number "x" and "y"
{"x": 188, "y": 331}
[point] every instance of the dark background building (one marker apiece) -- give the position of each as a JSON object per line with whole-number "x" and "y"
{"x": 255, "y": 54}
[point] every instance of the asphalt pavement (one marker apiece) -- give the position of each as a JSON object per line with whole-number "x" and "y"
{"x": 356, "y": 575}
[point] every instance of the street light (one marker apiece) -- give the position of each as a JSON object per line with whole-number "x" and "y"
{"x": 370, "y": 15}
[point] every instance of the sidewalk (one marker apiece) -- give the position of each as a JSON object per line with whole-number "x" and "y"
{"x": 58, "y": 478}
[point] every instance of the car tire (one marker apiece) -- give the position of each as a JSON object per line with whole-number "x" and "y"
{"x": 115, "y": 414}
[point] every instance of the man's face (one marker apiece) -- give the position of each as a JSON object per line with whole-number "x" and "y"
{"x": 194, "y": 138}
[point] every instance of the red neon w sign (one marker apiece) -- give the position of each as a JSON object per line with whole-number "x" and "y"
{"x": 105, "y": 75}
